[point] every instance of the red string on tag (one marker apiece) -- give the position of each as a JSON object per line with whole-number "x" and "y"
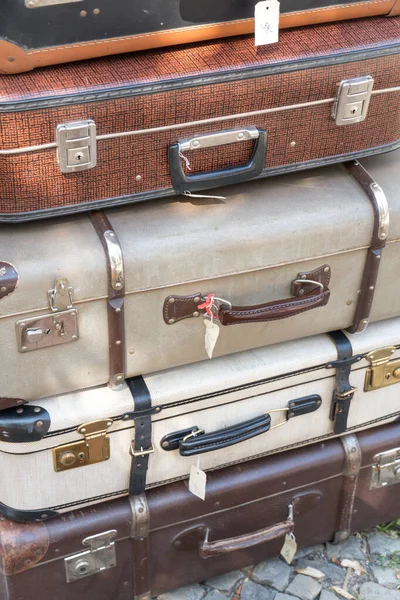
{"x": 208, "y": 306}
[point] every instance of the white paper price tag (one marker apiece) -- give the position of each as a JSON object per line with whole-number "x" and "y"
{"x": 266, "y": 22}
{"x": 289, "y": 548}
{"x": 211, "y": 336}
{"x": 197, "y": 482}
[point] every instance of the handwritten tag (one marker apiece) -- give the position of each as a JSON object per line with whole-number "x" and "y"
{"x": 211, "y": 336}
{"x": 289, "y": 548}
{"x": 197, "y": 482}
{"x": 266, "y": 22}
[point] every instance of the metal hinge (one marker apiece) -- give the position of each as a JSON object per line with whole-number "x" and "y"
{"x": 99, "y": 557}
{"x": 352, "y": 101}
{"x": 93, "y": 449}
{"x": 386, "y": 471}
{"x": 383, "y": 371}
{"x": 76, "y": 146}
{"x": 59, "y": 327}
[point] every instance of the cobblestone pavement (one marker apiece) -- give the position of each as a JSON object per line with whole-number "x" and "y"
{"x": 365, "y": 567}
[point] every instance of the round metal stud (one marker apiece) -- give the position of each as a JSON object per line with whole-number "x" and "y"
{"x": 196, "y": 314}
{"x": 20, "y": 410}
{"x": 326, "y": 270}
{"x": 39, "y": 424}
{"x": 96, "y": 11}
{"x": 240, "y": 136}
{"x": 83, "y": 13}
{"x": 138, "y": 178}
{"x": 196, "y": 143}
{"x": 197, "y": 299}
{"x": 293, "y": 144}
{"x": 396, "y": 373}
{"x": 37, "y": 409}
{"x": 118, "y": 285}
{"x": 171, "y": 300}
{"x": 118, "y": 342}
{"x": 301, "y": 292}
{"x": 171, "y": 321}
{"x": 3, "y": 289}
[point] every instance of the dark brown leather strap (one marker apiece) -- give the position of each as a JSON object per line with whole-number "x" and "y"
{"x": 351, "y": 470}
{"x": 140, "y": 547}
{"x": 378, "y": 242}
{"x": 116, "y": 293}
{"x": 208, "y": 549}
{"x": 11, "y": 402}
{"x": 344, "y": 391}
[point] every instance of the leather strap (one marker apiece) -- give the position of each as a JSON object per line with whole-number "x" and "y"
{"x": 344, "y": 391}
{"x": 141, "y": 447}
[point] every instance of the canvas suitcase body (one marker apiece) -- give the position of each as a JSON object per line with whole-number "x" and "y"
{"x": 128, "y": 129}
{"x": 37, "y": 33}
{"x": 83, "y": 448}
{"x": 69, "y": 322}
{"x": 138, "y": 548}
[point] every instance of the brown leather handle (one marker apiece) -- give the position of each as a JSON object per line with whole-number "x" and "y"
{"x": 272, "y": 311}
{"x": 208, "y": 549}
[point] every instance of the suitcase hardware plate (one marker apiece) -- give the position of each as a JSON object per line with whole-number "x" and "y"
{"x": 99, "y": 557}
{"x": 352, "y": 101}
{"x": 59, "y": 327}
{"x": 40, "y": 3}
{"x": 383, "y": 371}
{"x": 76, "y": 146}
{"x": 386, "y": 471}
{"x": 93, "y": 449}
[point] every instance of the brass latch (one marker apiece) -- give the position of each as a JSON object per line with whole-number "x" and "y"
{"x": 383, "y": 371}
{"x": 386, "y": 471}
{"x": 58, "y": 327}
{"x": 93, "y": 449}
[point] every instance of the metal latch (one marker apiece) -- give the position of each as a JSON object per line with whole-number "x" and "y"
{"x": 59, "y": 327}
{"x": 382, "y": 371}
{"x": 386, "y": 471}
{"x": 99, "y": 557}
{"x": 76, "y": 146}
{"x": 40, "y": 3}
{"x": 352, "y": 101}
{"x": 93, "y": 449}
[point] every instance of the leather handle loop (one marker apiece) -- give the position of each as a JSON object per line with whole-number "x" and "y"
{"x": 273, "y": 311}
{"x": 199, "y": 443}
{"x": 208, "y": 549}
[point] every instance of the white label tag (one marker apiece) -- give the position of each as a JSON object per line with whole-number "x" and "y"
{"x": 289, "y": 548}
{"x": 197, "y": 482}
{"x": 266, "y": 22}
{"x": 212, "y": 333}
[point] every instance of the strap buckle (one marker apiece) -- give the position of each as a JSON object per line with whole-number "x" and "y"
{"x": 193, "y": 434}
{"x": 345, "y": 395}
{"x": 140, "y": 452}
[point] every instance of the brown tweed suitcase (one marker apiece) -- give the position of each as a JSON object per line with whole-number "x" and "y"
{"x": 36, "y": 33}
{"x": 144, "y": 546}
{"x": 182, "y": 120}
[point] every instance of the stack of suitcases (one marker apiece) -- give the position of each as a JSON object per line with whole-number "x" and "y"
{"x": 147, "y": 441}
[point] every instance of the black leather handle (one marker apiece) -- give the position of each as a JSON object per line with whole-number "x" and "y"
{"x": 193, "y": 441}
{"x": 201, "y": 443}
{"x": 203, "y": 181}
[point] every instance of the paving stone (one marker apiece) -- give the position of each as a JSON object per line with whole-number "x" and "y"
{"x": 274, "y": 573}
{"x": 189, "y": 592}
{"x": 254, "y": 591}
{"x": 379, "y": 543}
{"x": 351, "y": 548}
{"x": 317, "y": 550}
{"x": 385, "y": 576}
{"x": 374, "y": 591}
{"x": 333, "y": 573}
{"x": 304, "y": 587}
{"x": 327, "y": 595}
{"x": 226, "y": 582}
{"x": 280, "y": 596}
{"x": 215, "y": 595}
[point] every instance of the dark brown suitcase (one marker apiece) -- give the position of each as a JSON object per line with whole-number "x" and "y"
{"x": 134, "y": 548}
{"x": 124, "y": 129}
{"x": 36, "y": 33}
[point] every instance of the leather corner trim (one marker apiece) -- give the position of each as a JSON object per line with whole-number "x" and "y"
{"x": 22, "y": 546}
{"x": 14, "y": 59}
{"x": 11, "y": 403}
{"x": 395, "y": 11}
{"x": 9, "y": 279}
{"x": 26, "y": 516}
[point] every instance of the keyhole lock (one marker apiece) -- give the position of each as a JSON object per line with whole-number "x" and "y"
{"x": 79, "y": 155}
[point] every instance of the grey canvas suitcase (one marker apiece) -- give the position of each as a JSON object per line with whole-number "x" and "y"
{"x": 96, "y": 298}
{"x": 79, "y": 449}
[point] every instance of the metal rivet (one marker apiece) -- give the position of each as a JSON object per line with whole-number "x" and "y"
{"x": 140, "y": 510}
{"x": 96, "y": 11}
{"x": 24, "y": 348}
{"x": 83, "y": 13}
{"x": 364, "y": 321}
{"x": 197, "y": 299}
{"x": 171, "y": 321}
{"x": 20, "y": 410}
{"x": 117, "y": 310}
{"x": 293, "y": 144}
{"x": 11, "y": 59}
{"x": 131, "y": 352}
{"x": 4, "y": 289}
{"x": 171, "y": 300}
{"x": 158, "y": 409}
{"x": 118, "y": 285}
{"x": 240, "y": 136}
{"x": 39, "y": 423}
{"x": 165, "y": 444}
{"x": 20, "y": 401}
{"x": 196, "y": 314}
{"x": 119, "y": 377}
{"x": 118, "y": 342}
{"x": 138, "y": 178}
{"x": 371, "y": 287}
{"x": 375, "y": 185}
{"x": 109, "y": 423}
{"x": 37, "y": 409}
{"x": 22, "y": 324}
{"x": 83, "y": 430}
{"x": 196, "y": 143}
{"x": 301, "y": 292}
{"x": 326, "y": 270}
{"x": 74, "y": 337}
{"x": 44, "y": 516}
{"x": 303, "y": 277}
{"x": 349, "y": 302}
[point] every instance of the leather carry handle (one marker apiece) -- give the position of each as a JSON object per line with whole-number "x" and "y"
{"x": 182, "y": 182}
{"x": 309, "y": 290}
{"x": 209, "y": 549}
{"x": 194, "y": 441}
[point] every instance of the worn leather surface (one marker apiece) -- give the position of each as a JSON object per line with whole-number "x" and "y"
{"x": 122, "y": 160}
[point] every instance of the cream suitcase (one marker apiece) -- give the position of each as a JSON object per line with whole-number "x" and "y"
{"x": 79, "y": 449}
{"x": 92, "y": 299}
